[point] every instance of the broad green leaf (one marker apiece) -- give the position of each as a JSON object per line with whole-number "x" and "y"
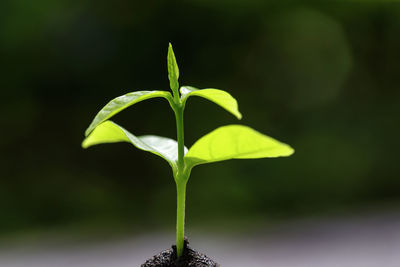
{"x": 219, "y": 97}
{"x": 173, "y": 71}
{"x": 110, "y": 132}
{"x": 121, "y": 103}
{"x": 235, "y": 142}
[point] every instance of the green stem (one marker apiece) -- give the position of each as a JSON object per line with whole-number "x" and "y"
{"x": 180, "y": 178}
{"x": 180, "y": 135}
{"x": 180, "y": 216}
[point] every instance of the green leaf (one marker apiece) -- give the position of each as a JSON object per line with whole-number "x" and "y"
{"x": 219, "y": 97}
{"x": 173, "y": 71}
{"x": 121, "y": 103}
{"x": 110, "y": 132}
{"x": 235, "y": 142}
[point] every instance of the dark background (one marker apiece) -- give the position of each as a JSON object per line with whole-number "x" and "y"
{"x": 323, "y": 78}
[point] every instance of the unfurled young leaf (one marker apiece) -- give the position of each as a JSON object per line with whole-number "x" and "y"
{"x": 110, "y": 132}
{"x": 235, "y": 142}
{"x": 121, "y": 103}
{"x": 173, "y": 71}
{"x": 219, "y": 97}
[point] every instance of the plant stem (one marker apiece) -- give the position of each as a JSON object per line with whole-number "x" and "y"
{"x": 180, "y": 135}
{"x": 180, "y": 178}
{"x": 180, "y": 216}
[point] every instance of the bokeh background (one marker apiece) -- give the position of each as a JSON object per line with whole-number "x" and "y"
{"x": 322, "y": 77}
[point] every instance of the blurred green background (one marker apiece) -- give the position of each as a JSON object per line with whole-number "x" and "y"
{"x": 323, "y": 78}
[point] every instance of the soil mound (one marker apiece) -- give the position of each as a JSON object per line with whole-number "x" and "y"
{"x": 189, "y": 258}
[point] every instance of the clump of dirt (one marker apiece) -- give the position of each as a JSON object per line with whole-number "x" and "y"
{"x": 189, "y": 258}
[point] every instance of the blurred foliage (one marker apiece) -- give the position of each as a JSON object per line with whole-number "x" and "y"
{"x": 321, "y": 77}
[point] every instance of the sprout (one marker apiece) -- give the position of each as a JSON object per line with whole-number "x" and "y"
{"x": 227, "y": 142}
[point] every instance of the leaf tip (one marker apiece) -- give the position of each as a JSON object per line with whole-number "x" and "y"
{"x": 171, "y": 51}
{"x": 84, "y": 144}
{"x": 87, "y": 132}
{"x": 290, "y": 151}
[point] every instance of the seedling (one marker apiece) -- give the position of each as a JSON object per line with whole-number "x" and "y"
{"x": 226, "y": 142}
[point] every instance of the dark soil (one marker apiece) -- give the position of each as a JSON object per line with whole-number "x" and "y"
{"x": 189, "y": 258}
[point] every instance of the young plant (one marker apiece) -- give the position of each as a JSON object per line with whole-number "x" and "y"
{"x": 226, "y": 142}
